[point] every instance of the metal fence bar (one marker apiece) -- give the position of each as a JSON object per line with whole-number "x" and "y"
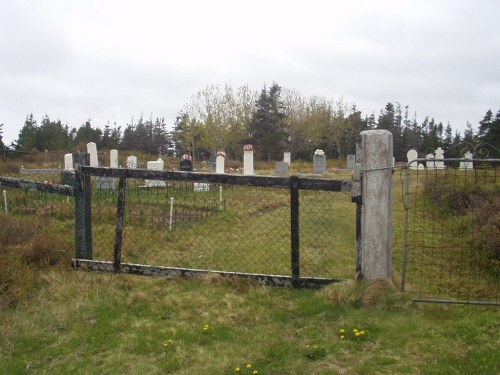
{"x": 295, "y": 229}
{"x": 120, "y": 221}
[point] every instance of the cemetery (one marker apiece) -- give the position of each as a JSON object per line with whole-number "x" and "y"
{"x": 181, "y": 217}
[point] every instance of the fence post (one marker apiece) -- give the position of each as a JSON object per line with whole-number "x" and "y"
{"x": 376, "y": 207}
{"x": 294, "y": 230}
{"x": 83, "y": 211}
{"x": 120, "y": 221}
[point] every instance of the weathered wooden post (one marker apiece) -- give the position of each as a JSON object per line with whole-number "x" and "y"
{"x": 375, "y": 250}
{"x": 83, "y": 210}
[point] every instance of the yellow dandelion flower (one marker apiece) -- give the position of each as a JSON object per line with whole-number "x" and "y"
{"x": 355, "y": 330}
{"x": 255, "y": 372}
{"x": 362, "y": 332}
{"x": 237, "y": 369}
{"x": 357, "y": 334}
{"x": 249, "y": 365}
{"x": 342, "y": 330}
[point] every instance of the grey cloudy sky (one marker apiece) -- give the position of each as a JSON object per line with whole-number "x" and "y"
{"x": 109, "y": 60}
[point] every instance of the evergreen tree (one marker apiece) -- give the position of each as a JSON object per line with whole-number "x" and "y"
{"x": 26, "y": 140}
{"x": 86, "y": 133}
{"x": 489, "y": 130}
{"x": 2, "y": 146}
{"x": 267, "y": 127}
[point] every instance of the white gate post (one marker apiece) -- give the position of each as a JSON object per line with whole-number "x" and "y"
{"x": 377, "y": 211}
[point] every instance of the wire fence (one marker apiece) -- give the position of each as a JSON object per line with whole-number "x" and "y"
{"x": 222, "y": 226}
{"x": 452, "y": 233}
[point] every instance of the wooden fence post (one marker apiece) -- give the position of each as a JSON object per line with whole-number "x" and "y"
{"x": 376, "y": 207}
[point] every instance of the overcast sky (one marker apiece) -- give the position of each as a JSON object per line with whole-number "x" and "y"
{"x": 111, "y": 60}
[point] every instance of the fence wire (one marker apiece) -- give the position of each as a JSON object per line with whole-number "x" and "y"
{"x": 452, "y": 234}
{"x": 226, "y": 227}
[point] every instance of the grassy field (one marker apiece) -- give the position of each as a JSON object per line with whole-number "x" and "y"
{"x": 56, "y": 320}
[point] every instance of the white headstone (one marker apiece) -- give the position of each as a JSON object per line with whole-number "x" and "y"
{"x": 92, "y": 150}
{"x": 113, "y": 158}
{"x": 248, "y": 162}
{"x": 287, "y": 157}
{"x": 132, "y": 161}
{"x": 219, "y": 164}
{"x": 467, "y": 164}
{"x": 431, "y": 164}
{"x": 439, "y": 164}
{"x": 68, "y": 162}
{"x": 412, "y": 155}
{"x": 156, "y": 165}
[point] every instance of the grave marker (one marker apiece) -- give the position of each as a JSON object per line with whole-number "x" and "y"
{"x": 219, "y": 162}
{"x": 282, "y": 168}
{"x": 156, "y": 165}
{"x": 248, "y": 159}
{"x": 467, "y": 164}
{"x": 287, "y": 157}
{"x": 351, "y": 161}
{"x": 319, "y": 162}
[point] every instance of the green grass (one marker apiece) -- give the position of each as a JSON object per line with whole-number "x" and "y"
{"x": 100, "y": 323}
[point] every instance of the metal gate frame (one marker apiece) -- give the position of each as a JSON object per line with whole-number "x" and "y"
{"x": 431, "y": 247}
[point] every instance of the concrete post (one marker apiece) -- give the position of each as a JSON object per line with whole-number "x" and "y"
{"x": 377, "y": 210}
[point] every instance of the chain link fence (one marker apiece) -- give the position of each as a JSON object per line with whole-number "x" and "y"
{"x": 224, "y": 226}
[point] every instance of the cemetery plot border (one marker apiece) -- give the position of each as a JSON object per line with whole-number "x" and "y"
{"x": 452, "y": 231}
{"x": 85, "y": 259}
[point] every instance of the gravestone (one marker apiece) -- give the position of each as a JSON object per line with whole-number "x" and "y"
{"x": 431, "y": 164}
{"x": 287, "y": 157}
{"x": 92, "y": 150}
{"x": 282, "y": 168}
{"x": 201, "y": 186}
{"x": 68, "y": 162}
{"x": 132, "y": 161}
{"x": 467, "y": 164}
{"x": 319, "y": 163}
{"x": 439, "y": 164}
{"x": 113, "y": 158}
{"x": 219, "y": 163}
{"x": 412, "y": 155}
{"x": 351, "y": 161}
{"x": 248, "y": 162}
{"x": 156, "y": 165}
{"x": 186, "y": 165}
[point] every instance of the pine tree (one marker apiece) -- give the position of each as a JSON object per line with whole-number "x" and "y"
{"x": 267, "y": 127}
{"x": 489, "y": 130}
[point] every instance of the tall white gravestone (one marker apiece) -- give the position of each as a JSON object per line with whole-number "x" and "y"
{"x": 248, "y": 160}
{"x": 92, "y": 150}
{"x": 68, "y": 162}
{"x": 287, "y": 157}
{"x": 113, "y": 158}
{"x": 219, "y": 162}
{"x": 439, "y": 163}
{"x": 319, "y": 162}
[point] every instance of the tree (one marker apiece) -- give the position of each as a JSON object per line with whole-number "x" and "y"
{"x": 86, "y": 133}
{"x": 267, "y": 127}
{"x": 26, "y": 140}
{"x": 489, "y": 130}
{"x": 1, "y": 137}
{"x": 52, "y": 135}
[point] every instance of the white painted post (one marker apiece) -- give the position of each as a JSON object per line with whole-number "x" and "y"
{"x": 377, "y": 210}
{"x": 171, "y": 213}
{"x": 5, "y": 201}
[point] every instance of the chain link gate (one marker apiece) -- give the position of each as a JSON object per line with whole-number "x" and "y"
{"x": 452, "y": 229}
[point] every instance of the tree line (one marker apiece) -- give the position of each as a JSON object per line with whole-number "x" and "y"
{"x": 273, "y": 120}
